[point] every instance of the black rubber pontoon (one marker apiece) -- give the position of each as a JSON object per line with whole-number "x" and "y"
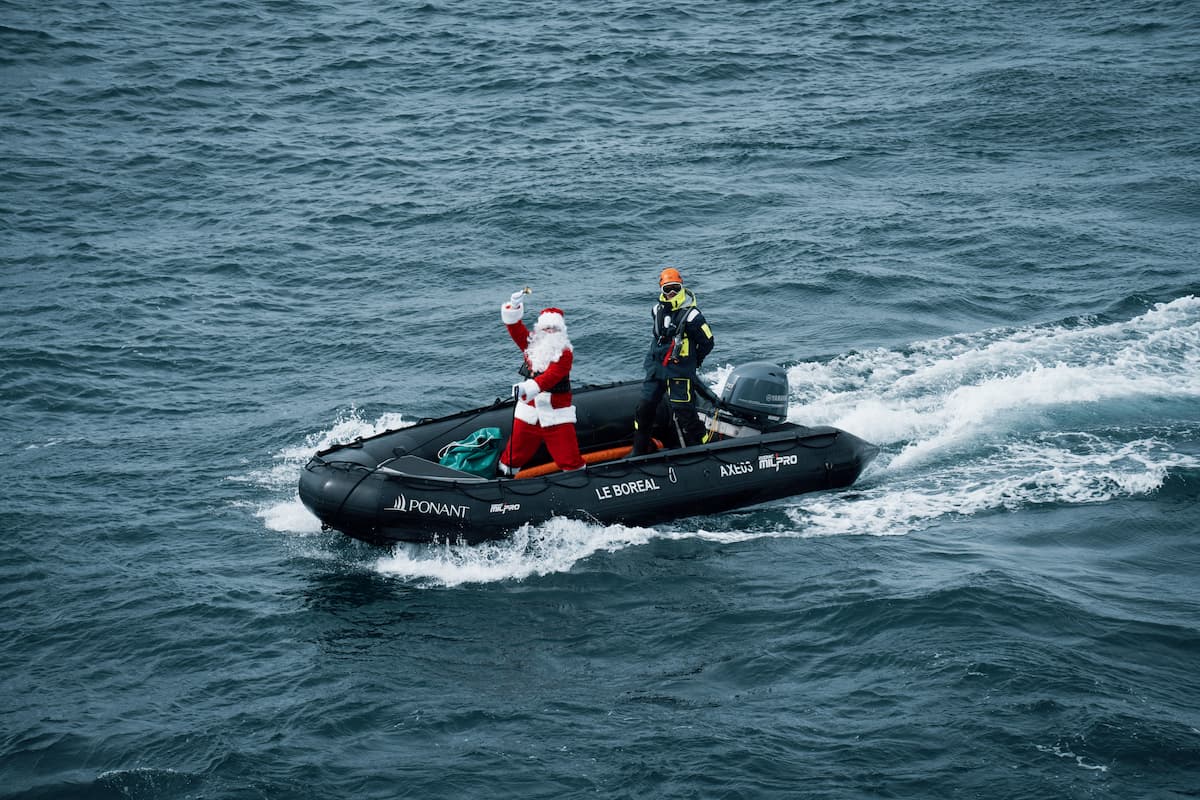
{"x": 389, "y": 487}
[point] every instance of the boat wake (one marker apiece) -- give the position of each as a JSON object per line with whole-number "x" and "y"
{"x": 1071, "y": 413}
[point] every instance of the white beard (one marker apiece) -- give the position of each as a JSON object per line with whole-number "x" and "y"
{"x": 544, "y": 348}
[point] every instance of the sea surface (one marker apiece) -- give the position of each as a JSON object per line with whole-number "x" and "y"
{"x": 235, "y": 231}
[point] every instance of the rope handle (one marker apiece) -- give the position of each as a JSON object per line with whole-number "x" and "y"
{"x": 465, "y": 445}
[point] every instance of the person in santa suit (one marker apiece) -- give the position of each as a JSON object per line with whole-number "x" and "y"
{"x": 544, "y": 412}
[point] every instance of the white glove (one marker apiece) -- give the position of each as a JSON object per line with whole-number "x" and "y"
{"x": 517, "y": 299}
{"x": 528, "y": 389}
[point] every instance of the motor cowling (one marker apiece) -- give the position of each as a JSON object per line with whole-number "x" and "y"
{"x": 757, "y": 391}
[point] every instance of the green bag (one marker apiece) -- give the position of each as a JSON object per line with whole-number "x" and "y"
{"x": 477, "y": 454}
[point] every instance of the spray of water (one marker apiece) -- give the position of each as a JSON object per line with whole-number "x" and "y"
{"x": 1007, "y": 419}
{"x": 290, "y": 515}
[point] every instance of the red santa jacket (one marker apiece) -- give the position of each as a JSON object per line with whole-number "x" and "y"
{"x": 548, "y": 407}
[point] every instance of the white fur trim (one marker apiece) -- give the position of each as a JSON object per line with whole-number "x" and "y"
{"x": 549, "y": 415}
{"x": 558, "y": 416}
{"x": 544, "y": 414}
{"x": 526, "y": 413}
{"x": 548, "y": 319}
{"x": 510, "y": 315}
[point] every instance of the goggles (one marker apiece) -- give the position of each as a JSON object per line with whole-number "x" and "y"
{"x": 671, "y": 288}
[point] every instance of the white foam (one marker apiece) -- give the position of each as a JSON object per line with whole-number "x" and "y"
{"x": 1022, "y": 474}
{"x": 555, "y": 546}
{"x": 942, "y": 394}
{"x": 1061, "y": 752}
{"x": 968, "y": 423}
{"x": 41, "y": 445}
{"x": 289, "y": 515}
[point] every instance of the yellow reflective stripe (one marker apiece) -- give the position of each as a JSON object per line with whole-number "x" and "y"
{"x": 707, "y": 330}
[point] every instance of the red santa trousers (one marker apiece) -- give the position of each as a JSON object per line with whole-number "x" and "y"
{"x": 560, "y": 441}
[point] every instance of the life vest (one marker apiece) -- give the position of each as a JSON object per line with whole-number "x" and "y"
{"x": 670, "y": 328}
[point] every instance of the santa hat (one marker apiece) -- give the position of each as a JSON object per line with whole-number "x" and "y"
{"x": 552, "y": 318}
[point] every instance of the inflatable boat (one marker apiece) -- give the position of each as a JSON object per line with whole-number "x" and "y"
{"x": 391, "y": 487}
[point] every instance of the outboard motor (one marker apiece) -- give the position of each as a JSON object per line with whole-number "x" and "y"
{"x": 757, "y": 392}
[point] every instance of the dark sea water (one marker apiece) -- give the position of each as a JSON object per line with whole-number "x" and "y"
{"x": 234, "y": 232}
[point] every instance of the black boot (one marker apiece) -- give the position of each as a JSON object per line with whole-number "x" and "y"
{"x": 641, "y": 443}
{"x": 643, "y": 425}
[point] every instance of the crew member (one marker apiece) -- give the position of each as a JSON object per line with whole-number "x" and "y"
{"x": 544, "y": 412}
{"x": 681, "y": 341}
